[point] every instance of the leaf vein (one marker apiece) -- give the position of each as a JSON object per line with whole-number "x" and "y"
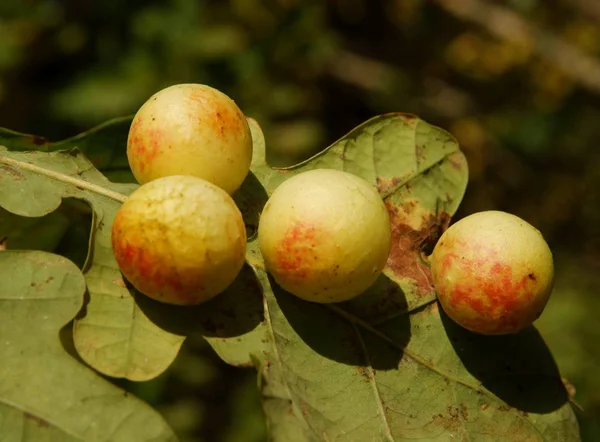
{"x": 79, "y": 183}
{"x": 355, "y": 320}
{"x": 372, "y": 382}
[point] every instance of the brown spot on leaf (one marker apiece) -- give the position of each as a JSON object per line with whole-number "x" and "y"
{"x": 456, "y": 161}
{"x": 453, "y": 412}
{"x": 40, "y": 285}
{"x": 420, "y": 152}
{"x": 3, "y": 241}
{"x": 451, "y": 420}
{"x": 464, "y": 413}
{"x": 15, "y": 174}
{"x": 484, "y": 407}
{"x": 407, "y": 244}
{"x": 363, "y": 372}
{"x": 406, "y": 117}
{"x": 388, "y": 185}
{"x": 304, "y": 408}
{"x": 42, "y": 423}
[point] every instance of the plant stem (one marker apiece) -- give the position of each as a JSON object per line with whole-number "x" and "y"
{"x": 77, "y": 182}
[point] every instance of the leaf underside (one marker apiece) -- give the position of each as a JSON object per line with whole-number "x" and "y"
{"x": 387, "y": 365}
{"x": 45, "y": 394}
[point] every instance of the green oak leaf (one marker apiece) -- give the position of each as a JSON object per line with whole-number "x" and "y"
{"x": 104, "y": 145}
{"x": 112, "y": 334}
{"x": 45, "y": 394}
{"x": 387, "y": 365}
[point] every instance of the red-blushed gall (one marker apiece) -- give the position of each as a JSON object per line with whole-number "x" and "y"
{"x": 190, "y": 129}
{"x": 493, "y": 273}
{"x": 179, "y": 240}
{"x": 325, "y": 235}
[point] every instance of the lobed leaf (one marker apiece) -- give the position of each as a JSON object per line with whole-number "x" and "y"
{"x": 102, "y": 145}
{"x": 112, "y": 334}
{"x": 387, "y": 365}
{"x": 120, "y": 332}
{"x": 44, "y": 393}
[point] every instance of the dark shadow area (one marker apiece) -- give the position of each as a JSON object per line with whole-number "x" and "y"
{"x": 341, "y": 339}
{"x": 519, "y": 368}
{"x": 197, "y": 374}
{"x": 86, "y": 300}
{"x": 250, "y": 198}
{"x": 236, "y": 311}
{"x": 78, "y": 232}
{"x": 382, "y": 300}
{"x": 62, "y": 231}
{"x": 65, "y": 335}
{"x": 105, "y": 145}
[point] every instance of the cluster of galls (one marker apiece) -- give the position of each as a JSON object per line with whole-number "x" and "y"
{"x": 180, "y": 238}
{"x": 324, "y": 234}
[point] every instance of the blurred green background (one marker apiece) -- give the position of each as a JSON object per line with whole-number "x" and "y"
{"x": 516, "y": 81}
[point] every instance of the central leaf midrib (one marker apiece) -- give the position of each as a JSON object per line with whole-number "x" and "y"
{"x": 359, "y": 322}
{"x": 373, "y": 384}
{"x": 277, "y": 357}
{"x": 62, "y": 177}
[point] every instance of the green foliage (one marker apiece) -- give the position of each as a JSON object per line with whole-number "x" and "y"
{"x": 114, "y": 336}
{"x": 309, "y": 71}
{"x": 46, "y": 394}
{"x": 387, "y": 364}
